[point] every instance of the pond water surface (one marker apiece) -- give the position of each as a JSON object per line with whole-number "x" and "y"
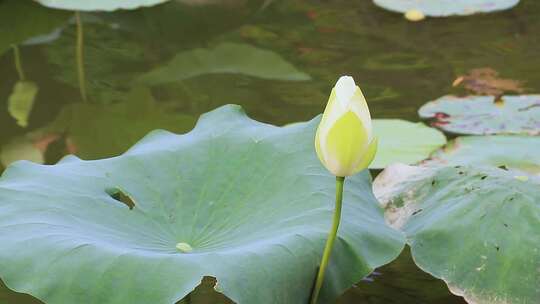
{"x": 399, "y": 65}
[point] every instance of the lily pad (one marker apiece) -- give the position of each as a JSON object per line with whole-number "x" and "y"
{"x": 444, "y": 8}
{"x": 481, "y": 115}
{"x": 226, "y": 58}
{"x": 513, "y": 152}
{"x": 99, "y": 5}
{"x": 478, "y": 229}
{"x": 21, "y": 101}
{"x": 250, "y": 200}
{"x": 404, "y": 142}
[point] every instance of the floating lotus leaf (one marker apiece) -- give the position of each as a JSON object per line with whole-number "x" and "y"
{"x": 512, "y": 151}
{"x": 98, "y": 5}
{"x": 226, "y": 58}
{"x": 404, "y": 142}
{"x": 444, "y": 8}
{"x": 251, "y": 200}
{"x": 481, "y": 115}
{"x": 478, "y": 229}
{"x": 21, "y": 101}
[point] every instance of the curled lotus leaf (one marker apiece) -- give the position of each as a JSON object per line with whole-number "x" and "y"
{"x": 244, "y": 202}
{"x": 483, "y": 115}
{"x": 444, "y": 8}
{"x": 476, "y": 228}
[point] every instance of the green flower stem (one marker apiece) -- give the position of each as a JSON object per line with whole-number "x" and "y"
{"x": 80, "y": 56}
{"x": 330, "y": 241}
{"x": 18, "y": 62}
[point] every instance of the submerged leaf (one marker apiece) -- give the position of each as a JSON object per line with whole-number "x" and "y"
{"x": 21, "y": 101}
{"x": 20, "y": 148}
{"x": 99, "y": 5}
{"x": 96, "y": 130}
{"x": 404, "y": 142}
{"x": 482, "y": 115}
{"x": 444, "y": 8}
{"x": 250, "y": 199}
{"x": 226, "y": 58}
{"x": 478, "y": 229}
{"x": 15, "y": 29}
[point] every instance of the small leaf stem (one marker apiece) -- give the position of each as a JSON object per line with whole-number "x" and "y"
{"x": 330, "y": 241}
{"x": 18, "y": 62}
{"x": 80, "y": 55}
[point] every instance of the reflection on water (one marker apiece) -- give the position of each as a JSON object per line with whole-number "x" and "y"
{"x": 301, "y": 47}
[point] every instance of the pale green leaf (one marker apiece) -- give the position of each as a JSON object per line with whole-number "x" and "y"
{"x": 402, "y": 141}
{"x": 476, "y": 228}
{"x": 21, "y": 101}
{"x": 481, "y": 115}
{"x": 251, "y": 200}
{"x": 515, "y": 152}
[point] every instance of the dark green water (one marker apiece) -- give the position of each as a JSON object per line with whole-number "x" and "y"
{"x": 399, "y": 65}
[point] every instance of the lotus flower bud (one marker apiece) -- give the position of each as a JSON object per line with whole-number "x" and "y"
{"x": 344, "y": 141}
{"x": 414, "y": 15}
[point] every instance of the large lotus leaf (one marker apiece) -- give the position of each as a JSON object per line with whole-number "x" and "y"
{"x": 515, "y": 152}
{"x": 21, "y": 101}
{"x": 481, "y": 115}
{"x": 478, "y": 229}
{"x": 21, "y": 20}
{"x": 404, "y": 142}
{"x": 98, "y": 5}
{"x": 443, "y": 8}
{"x": 251, "y": 200}
{"x": 228, "y": 58}
{"x": 96, "y": 130}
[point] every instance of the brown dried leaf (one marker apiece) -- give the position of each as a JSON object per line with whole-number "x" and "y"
{"x": 486, "y": 81}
